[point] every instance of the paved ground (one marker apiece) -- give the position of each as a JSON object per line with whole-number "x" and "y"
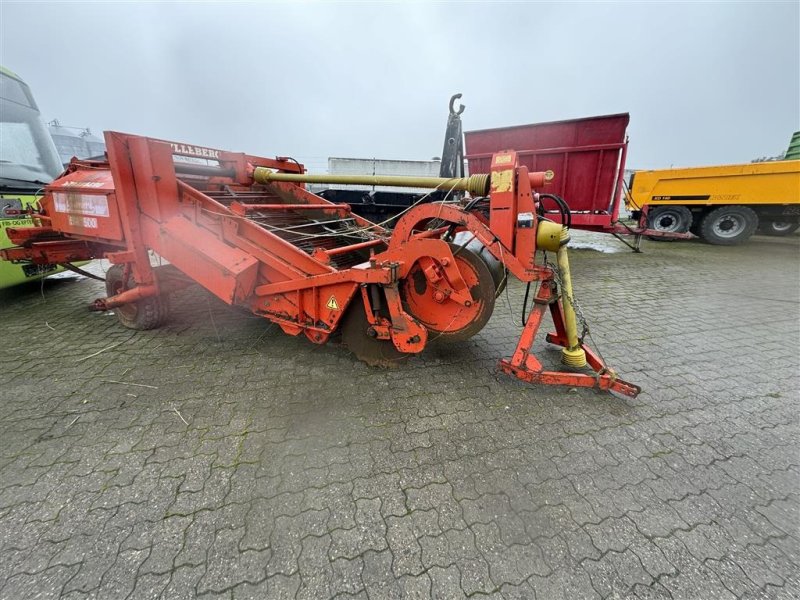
{"x": 256, "y": 465}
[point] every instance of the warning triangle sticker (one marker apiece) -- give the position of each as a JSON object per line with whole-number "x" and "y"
{"x": 332, "y": 303}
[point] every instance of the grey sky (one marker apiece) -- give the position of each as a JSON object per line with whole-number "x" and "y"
{"x": 704, "y": 83}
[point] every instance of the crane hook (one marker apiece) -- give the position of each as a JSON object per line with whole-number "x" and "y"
{"x": 452, "y": 103}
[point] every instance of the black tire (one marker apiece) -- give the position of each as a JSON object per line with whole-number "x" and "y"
{"x": 778, "y": 228}
{"x": 353, "y": 329}
{"x": 498, "y": 271}
{"x": 669, "y": 219}
{"x": 147, "y": 313}
{"x": 728, "y": 225}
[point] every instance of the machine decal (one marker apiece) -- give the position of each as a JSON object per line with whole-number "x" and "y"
{"x": 83, "y": 183}
{"x": 87, "y": 222}
{"x": 706, "y": 197}
{"x": 85, "y": 204}
{"x": 332, "y": 303}
{"x": 502, "y": 181}
{"x": 525, "y": 220}
{"x": 195, "y": 151}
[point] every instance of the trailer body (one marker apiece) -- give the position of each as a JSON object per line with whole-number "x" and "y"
{"x": 586, "y": 155}
{"x": 723, "y": 204}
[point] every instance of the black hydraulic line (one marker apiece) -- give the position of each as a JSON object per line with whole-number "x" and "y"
{"x": 79, "y": 271}
{"x": 525, "y": 304}
{"x": 566, "y": 215}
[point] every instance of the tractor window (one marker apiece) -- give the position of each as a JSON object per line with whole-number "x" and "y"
{"x": 27, "y": 152}
{"x": 18, "y": 146}
{"x": 15, "y": 91}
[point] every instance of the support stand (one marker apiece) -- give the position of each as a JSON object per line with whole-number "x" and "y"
{"x": 524, "y": 365}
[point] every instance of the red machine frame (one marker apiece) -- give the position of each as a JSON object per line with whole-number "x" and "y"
{"x": 148, "y": 196}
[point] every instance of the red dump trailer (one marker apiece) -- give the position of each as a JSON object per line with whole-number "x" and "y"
{"x": 587, "y": 157}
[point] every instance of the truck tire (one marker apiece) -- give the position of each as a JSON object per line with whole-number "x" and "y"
{"x": 147, "y": 313}
{"x": 778, "y": 228}
{"x": 672, "y": 219}
{"x": 728, "y": 225}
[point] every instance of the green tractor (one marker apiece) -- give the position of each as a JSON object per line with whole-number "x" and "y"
{"x": 28, "y": 162}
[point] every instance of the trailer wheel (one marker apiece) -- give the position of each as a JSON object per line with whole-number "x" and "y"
{"x": 728, "y": 225}
{"x": 778, "y": 228}
{"x": 670, "y": 219}
{"x": 147, "y": 313}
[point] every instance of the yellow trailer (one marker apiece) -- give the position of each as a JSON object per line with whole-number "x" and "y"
{"x": 723, "y": 204}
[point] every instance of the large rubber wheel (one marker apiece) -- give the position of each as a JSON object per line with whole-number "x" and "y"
{"x": 728, "y": 225}
{"x": 354, "y": 328}
{"x": 147, "y": 313}
{"x": 778, "y": 228}
{"x": 448, "y": 320}
{"x": 496, "y": 268}
{"x": 669, "y": 219}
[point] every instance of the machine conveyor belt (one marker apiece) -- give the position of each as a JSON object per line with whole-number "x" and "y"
{"x": 301, "y": 229}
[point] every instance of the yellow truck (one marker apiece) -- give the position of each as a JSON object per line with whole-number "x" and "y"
{"x": 722, "y": 205}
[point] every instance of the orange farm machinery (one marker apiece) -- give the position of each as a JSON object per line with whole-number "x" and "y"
{"x": 246, "y": 229}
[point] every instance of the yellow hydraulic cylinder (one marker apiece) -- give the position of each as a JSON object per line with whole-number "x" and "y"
{"x": 573, "y": 354}
{"x": 475, "y": 184}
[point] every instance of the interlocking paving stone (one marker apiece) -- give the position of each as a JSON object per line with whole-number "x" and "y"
{"x": 262, "y": 466}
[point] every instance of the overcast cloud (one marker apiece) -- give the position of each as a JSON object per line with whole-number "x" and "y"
{"x": 704, "y": 83}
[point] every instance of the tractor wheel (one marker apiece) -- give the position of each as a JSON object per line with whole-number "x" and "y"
{"x": 778, "y": 228}
{"x": 447, "y": 320}
{"x": 728, "y": 225}
{"x": 669, "y": 219}
{"x": 147, "y": 313}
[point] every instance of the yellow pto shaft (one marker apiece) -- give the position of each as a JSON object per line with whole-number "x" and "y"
{"x": 475, "y": 184}
{"x": 572, "y": 354}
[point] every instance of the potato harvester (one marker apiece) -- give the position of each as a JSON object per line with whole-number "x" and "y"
{"x": 247, "y": 229}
